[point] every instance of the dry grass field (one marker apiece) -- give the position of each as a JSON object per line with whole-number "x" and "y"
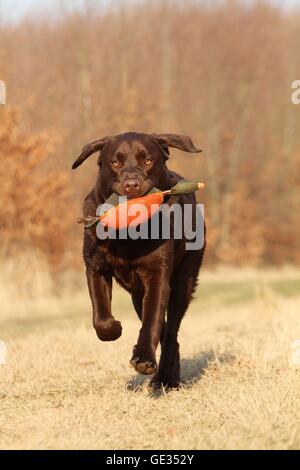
{"x": 61, "y": 388}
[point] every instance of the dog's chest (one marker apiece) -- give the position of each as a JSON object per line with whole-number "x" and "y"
{"x": 121, "y": 269}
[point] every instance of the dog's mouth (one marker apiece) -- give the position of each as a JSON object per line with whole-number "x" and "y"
{"x": 132, "y": 188}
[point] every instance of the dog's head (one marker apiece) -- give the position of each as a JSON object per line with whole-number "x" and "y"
{"x": 132, "y": 164}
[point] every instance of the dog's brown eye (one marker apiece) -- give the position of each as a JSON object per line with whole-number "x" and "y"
{"x": 116, "y": 163}
{"x": 148, "y": 161}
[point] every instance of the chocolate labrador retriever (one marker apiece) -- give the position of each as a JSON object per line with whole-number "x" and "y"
{"x": 160, "y": 274}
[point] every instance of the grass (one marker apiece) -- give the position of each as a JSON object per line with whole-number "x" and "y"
{"x": 63, "y": 389}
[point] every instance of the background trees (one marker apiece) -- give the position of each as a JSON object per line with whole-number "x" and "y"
{"x": 221, "y": 74}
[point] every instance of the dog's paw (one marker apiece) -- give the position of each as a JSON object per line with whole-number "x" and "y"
{"x": 108, "y": 330}
{"x": 143, "y": 361}
{"x": 162, "y": 382}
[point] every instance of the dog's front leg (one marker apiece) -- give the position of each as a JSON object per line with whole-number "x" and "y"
{"x": 155, "y": 301}
{"x": 100, "y": 286}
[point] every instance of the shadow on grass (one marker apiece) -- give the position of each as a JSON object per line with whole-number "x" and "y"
{"x": 192, "y": 370}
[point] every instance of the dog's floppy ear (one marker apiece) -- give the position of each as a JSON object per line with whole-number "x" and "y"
{"x": 182, "y": 142}
{"x": 89, "y": 149}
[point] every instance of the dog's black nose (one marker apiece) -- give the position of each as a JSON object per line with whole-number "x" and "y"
{"x": 132, "y": 187}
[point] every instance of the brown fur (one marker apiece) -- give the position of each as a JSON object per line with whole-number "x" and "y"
{"x": 159, "y": 274}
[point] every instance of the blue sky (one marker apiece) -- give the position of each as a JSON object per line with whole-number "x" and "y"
{"x": 15, "y": 9}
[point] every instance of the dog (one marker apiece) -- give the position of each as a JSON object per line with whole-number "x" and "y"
{"x": 161, "y": 275}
